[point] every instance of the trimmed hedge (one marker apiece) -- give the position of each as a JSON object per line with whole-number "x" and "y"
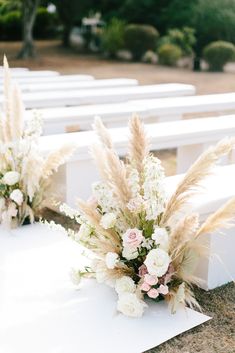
{"x": 140, "y": 38}
{"x": 218, "y": 53}
{"x": 169, "y": 54}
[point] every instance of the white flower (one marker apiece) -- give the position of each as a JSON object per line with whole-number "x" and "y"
{"x": 101, "y": 273}
{"x": 11, "y": 178}
{"x": 147, "y": 243}
{"x": 75, "y": 277}
{"x": 161, "y": 238}
{"x": 130, "y": 305}
{"x": 129, "y": 253}
{"x": 111, "y": 259}
{"x": 157, "y": 262}
{"x": 17, "y": 196}
{"x": 135, "y": 204}
{"x": 132, "y": 238}
{"x": 83, "y": 233}
{"x": 125, "y": 284}
{"x": 108, "y": 220}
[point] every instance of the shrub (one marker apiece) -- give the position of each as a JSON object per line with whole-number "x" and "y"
{"x": 214, "y": 20}
{"x": 45, "y": 24}
{"x": 11, "y": 24}
{"x": 169, "y": 54}
{"x": 112, "y": 38}
{"x": 183, "y": 38}
{"x": 217, "y": 54}
{"x": 140, "y": 38}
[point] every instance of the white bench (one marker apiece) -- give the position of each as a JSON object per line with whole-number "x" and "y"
{"x": 63, "y": 85}
{"x": 104, "y": 95}
{"x": 51, "y": 79}
{"x": 59, "y": 120}
{"x": 190, "y": 137}
{"x": 217, "y": 189}
{"x": 32, "y": 74}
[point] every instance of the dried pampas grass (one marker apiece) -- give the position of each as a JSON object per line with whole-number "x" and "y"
{"x": 139, "y": 144}
{"x": 56, "y": 159}
{"x": 192, "y": 179}
{"x": 220, "y": 219}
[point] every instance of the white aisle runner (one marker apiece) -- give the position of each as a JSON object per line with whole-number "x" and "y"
{"x": 42, "y": 312}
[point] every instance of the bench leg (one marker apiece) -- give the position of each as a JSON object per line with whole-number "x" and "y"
{"x": 187, "y": 154}
{"x": 79, "y": 177}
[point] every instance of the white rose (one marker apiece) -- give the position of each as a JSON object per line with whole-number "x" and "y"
{"x": 17, "y": 196}
{"x": 75, "y": 277}
{"x": 83, "y": 233}
{"x": 161, "y": 238}
{"x": 11, "y": 178}
{"x": 111, "y": 259}
{"x": 129, "y": 253}
{"x": 130, "y": 305}
{"x": 157, "y": 262}
{"x": 125, "y": 284}
{"x": 108, "y": 220}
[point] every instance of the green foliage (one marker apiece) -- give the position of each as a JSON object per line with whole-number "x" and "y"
{"x": 113, "y": 36}
{"x": 185, "y": 39}
{"x": 214, "y": 20}
{"x": 169, "y": 54}
{"x": 7, "y": 6}
{"x": 217, "y": 54}
{"x": 45, "y": 24}
{"x": 10, "y": 25}
{"x": 140, "y": 38}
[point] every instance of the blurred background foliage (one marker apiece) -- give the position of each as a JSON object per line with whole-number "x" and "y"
{"x": 183, "y": 28}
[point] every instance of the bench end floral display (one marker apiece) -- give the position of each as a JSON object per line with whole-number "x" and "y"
{"x": 146, "y": 245}
{"x": 24, "y": 172}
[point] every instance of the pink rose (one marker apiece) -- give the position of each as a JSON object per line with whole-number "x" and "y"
{"x": 142, "y": 270}
{"x": 153, "y": 293}
{"x": 163, "y": 289}
{"x": 151, "y": 280}
{"x": 133, "y": 238}
{"x": 145, "y": 287}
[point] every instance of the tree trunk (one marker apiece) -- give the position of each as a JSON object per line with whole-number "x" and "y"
{"x": 29, "y": 16}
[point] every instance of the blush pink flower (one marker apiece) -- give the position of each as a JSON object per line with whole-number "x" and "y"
{"x": 142, "y": 270}
{"x": 153, "y": 293}
{"x": 133, "y": 238}
{"x": 163, "y": 289}
{"x": 145, "y": 287}
{"x": 151, "y": 280}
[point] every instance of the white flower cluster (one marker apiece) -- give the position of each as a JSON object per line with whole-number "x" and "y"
{"x": 104, "y": 197}
{"x": 154, "y": 193}
{"x": 130, "y": 302}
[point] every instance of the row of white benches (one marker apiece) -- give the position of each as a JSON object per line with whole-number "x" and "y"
{"x": 189, "y": 137}
{"x": 62, "y": 119}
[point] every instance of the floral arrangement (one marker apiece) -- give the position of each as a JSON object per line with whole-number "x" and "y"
{"x": 146, "y": 244}
{"x": 24, "y": 172}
